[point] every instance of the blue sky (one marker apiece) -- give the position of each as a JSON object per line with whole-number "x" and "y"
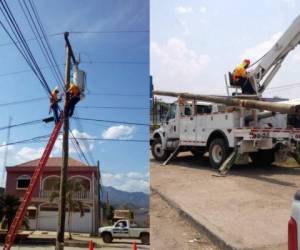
{"x": 199, "y": 40}
{"x": 124, "y": 164}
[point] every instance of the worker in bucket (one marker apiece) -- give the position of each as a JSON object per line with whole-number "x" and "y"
{"x": 240, "y": 78}
{"x": 74, "y": 93}
{"x": 54, "y": 100}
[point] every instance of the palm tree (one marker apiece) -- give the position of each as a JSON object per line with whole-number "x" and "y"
{"x": 9, "y": 205}
{"x": 72, "y": 203}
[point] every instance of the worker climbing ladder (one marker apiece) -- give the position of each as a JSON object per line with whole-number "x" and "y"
{"x": 10, "y": 237}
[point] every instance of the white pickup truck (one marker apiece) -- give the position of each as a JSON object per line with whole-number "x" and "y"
{"x": 123, "y": 230}
{"x": 294, "y": 224}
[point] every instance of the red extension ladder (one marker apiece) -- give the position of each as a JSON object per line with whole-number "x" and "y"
{"x": 10, "y": 237}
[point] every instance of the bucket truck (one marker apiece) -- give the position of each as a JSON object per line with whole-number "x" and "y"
{"x": 238, "y": 128}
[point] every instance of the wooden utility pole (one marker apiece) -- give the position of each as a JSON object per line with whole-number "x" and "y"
{"x": 65, "y": 150}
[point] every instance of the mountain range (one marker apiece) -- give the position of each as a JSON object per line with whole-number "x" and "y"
{"x": 119, "y": 198}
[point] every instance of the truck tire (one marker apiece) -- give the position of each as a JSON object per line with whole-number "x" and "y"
{"x": 263, "y": 157}
{"x": 107, "y": 238}
{"x": 218, "y": 152}
{"x": 158, "y": 152}
{"x": 145, "y": 238}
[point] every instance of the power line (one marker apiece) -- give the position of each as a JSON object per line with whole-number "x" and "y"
{"x": 109, "y": 31}
{"x": 115, "y": 62}
{"x": 21, "y": 124}
{"x": 22, "y": 101}
{"x": 22, "y": 47}
{"x": 79, "y": 126}
{"x": 31, "y": 140}
{"x": 38, "y": 30}
{"x": 42, "y": 138}
{"x": 30, "y": 39}
{"x": 61, "y": 65}
{"x": 24, "y": 71}
{"x": 117, "y": 94}
{"x": 106, "y": 139}
{"x": 110, "y": 121}
{"x": 113, "y": 107}
{"x": 80, "y": 32}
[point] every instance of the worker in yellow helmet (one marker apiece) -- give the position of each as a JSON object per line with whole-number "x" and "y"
{"x": 74, "y": 93}
{"x": 240, "y": 78}
{"x": 54, "y": 100}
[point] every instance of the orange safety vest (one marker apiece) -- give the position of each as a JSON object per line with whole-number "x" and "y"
{"x": 54, "y": 97}
{"x": 74, "y": 90}
{"x": 239, "y": 72}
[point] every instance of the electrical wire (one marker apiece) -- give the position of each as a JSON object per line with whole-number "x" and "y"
{"x": 108, "y": 31}
{"x": 22, "y": 101}
{"x": 21, "y": 124}
{"x": 42, "y": 138}
{"x": 22, "y": 46}
{"x": 110, "y": 121}
{"x": 111, "y": 107}
{"x": 30, "y": 39}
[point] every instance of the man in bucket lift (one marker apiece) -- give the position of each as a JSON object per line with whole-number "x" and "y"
{"x": 240, "y": 78}
{"x": 74, "y": 93}
{"x": 54, "y": 100}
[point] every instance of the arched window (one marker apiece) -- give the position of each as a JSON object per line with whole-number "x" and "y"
{"x": 51, "y": 183}
{"x": 23, "y": 181}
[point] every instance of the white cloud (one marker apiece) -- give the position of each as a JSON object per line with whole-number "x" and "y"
{"x": 183, "y": 10}
{"x": 177, "y": 67}
{"x": 16, "y": 156}
{"x": 86, "y": 145}
{"x": 260, "y": 49}
{"x": 130, "y": 182}
{"x": 118, "y": 132}
{"x": 203, "y": 9}
{"x": 28, "y": 154}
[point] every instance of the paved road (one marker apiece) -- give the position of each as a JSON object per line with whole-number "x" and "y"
{"x": 250, "y": 208}
{"x": 114, "y": 246}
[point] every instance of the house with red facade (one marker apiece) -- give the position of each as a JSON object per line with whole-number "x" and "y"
{"x": 43, "y": 214}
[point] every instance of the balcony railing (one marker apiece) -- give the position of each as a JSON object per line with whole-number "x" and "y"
{"x": 45, "y": 194}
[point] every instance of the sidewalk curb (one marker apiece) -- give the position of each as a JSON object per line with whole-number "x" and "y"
{"x": 216, "y": 239}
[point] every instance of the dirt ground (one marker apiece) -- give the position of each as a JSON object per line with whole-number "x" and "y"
{"x": 169, "y": 231}
{"x": 248, "y": 209}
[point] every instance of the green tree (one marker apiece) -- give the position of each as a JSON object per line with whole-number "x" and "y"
{"x": 73, "y": 204}
{"x": 9, "y": 205}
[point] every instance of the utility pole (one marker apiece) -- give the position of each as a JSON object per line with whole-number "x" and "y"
{"x": 65, "y": 147}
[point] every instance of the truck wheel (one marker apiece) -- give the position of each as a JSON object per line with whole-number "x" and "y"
{"x": 158, "y": 152}
{"x": 263, "y": 157}
{"x": 107, "y": 238}
{"x": 145, "y": 239}
{"x": 218, "y": 152}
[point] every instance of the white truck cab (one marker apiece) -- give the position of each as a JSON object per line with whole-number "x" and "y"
{"x": 122, "y": 229}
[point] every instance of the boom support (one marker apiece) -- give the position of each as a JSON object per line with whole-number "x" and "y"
{"x": 231, "y": 101}
{"x": 269, "y": 64}
{"x": 10, "y": 237}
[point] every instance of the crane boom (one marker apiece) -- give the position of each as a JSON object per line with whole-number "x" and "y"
{"x": 269, "y": 64}
{"x": 231, "y": 101}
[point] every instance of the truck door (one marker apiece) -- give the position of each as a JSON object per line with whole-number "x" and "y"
{"x": 172, "y": 124}
{"x": 187, "y": 124}
{"x": 121, "y": 229}
{"x": 202, "y": 112}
